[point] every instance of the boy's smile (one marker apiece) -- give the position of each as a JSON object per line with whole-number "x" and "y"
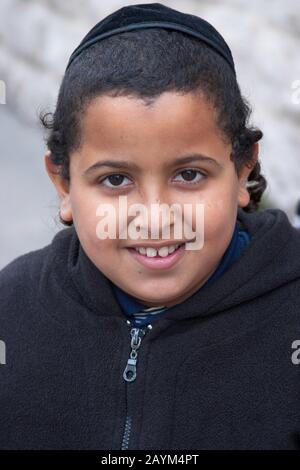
{"x": 170, "y": 151}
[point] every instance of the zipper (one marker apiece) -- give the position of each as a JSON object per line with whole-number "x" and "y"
{"x": 129, "y": 375}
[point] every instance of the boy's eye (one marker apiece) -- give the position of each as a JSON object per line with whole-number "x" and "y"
{"x": 189, "y": 175}
{"x": 114, "y": 180}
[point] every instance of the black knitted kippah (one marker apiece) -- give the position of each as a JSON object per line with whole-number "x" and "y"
{"x": 155, "y": 15}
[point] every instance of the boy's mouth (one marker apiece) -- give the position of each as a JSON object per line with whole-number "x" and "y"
{"x": 159, "y": 257}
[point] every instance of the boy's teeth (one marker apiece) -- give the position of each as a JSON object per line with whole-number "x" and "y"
{"x": 163, "y": 251}
{"x": 151, "y": 252}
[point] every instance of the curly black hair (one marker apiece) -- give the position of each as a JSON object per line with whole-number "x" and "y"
{"x": 145, "y": 63}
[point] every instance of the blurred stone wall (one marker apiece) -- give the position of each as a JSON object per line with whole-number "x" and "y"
{"x": 38, "y": 36}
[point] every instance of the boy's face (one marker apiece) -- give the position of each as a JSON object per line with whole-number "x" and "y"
{"x": 149, "y": 139}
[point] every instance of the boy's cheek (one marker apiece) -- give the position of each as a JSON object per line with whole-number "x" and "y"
{"x": 219, "y": 221}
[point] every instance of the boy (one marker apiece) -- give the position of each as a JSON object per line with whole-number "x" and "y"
{"x": 124, "y": 343}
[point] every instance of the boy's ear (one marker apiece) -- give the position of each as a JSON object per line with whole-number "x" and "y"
{"x": 61, "y": 186}
{"x": 243, "y": 194}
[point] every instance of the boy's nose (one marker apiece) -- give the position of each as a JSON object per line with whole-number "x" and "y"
{"x": 157, "y": 221}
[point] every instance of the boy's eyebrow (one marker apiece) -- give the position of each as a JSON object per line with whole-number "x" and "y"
{"x": 125, "y": 164}
{"x": 197, "y": 157}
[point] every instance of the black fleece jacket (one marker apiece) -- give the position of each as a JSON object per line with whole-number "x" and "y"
{"x": 217, "y": 371}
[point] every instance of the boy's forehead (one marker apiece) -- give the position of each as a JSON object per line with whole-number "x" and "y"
{"x": 127, "y": 128}
{"x": 129, "y": 120}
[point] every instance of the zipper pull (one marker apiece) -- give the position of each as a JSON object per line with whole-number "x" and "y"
{"x": 137, "y": 335}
